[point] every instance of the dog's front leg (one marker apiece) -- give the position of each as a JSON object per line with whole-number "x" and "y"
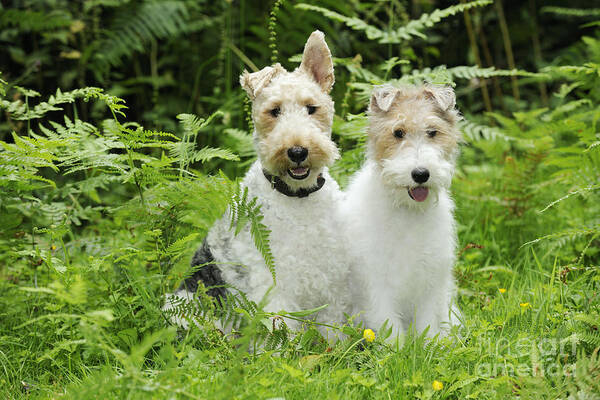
{"x": 432, "y": 311}
{"x": 384, "y": 310}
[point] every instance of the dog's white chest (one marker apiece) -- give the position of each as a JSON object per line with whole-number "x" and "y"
{"x": 312, "y": 266}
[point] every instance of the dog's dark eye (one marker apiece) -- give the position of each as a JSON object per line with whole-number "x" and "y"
{"x": 311, "y": 109}
{"x": 431, "y": 133}
{"x": 399, "y": 133}
{"x": 275, "y": 112}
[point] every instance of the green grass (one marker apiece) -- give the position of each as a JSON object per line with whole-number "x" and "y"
{"x": 96, "y": 330}
{"x": 99, "y": 218}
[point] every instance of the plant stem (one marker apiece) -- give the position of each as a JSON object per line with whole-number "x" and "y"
{"x": 130, "y": 161}
{"x": 507, "y": 47}
{"x": 490, "y": 63}
{"x": 475, "y": 50}
{"x": 537, "y": 50}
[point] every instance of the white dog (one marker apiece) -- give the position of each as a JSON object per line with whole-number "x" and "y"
{"x": 292, "y": 114}
{"x": 398, "y": 211}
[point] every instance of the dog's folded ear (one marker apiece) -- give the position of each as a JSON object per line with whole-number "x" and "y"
{"x": 254, "y": 82}
{"x": 317, "y": 62}
{"x": 382, "y": 98}
{"x": 442, "y": 94}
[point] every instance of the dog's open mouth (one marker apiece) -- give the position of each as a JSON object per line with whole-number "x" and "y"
{"x": 418, "y": 193}
{"x": 299, "y": 172}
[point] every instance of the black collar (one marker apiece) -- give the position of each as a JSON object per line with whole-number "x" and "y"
{"x": 283, "y": 188}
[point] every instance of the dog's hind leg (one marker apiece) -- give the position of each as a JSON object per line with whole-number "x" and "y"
{"x": 207, "y": 272}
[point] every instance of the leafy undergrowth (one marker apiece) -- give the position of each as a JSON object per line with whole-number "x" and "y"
{"x": 99, "y": 219}
{"x": 87, "y": 262}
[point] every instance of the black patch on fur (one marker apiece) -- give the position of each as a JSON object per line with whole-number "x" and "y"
{"x": 209, "y": 274}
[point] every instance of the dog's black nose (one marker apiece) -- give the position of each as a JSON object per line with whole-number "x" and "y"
{"x": 297, "y": 153}
{"x": 420, "y": 175}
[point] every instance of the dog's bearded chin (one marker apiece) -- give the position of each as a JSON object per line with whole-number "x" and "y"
{"x": 418, "y": 193}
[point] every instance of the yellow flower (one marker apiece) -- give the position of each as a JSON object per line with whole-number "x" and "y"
{"x": 369, "y": 335}
{"x": 524, "y": 305}
{"x": 53, "y": 247}
{"x": 437, "y": 386}
{"x": 502, "y": 290}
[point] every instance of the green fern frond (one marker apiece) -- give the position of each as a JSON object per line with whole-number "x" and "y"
{"x": 442, "y": 75}
{"x": 569, "y": 233}
{"x": 473, "y": 132}
{"x": 413, "y": 29}
{"x": 34, "y": 21}
{"x": 19, "y": 110}
{"x": 244, "y": 143}
{"x": 575, "y": 71}
{"x": 27, "y": 92}
{"x": 355, "y": 23}
{"x": 591, "y": 320}
{"x": 569, "y": 107}
{"x": 184, "y": 150}
{"x": 114, "y": 103}
{"x": 71, "y": 130}
{"x": 3, "y": 84}
{"x": 590, "y": 338}
{"x": 137, "y": 26}
{"x": 572, "y": 12}
{"x": 208, "y": 153}
{"x": 178, "y": 246}
{"x": 192, "y": 123}
{"x": 144, "y": 138}
{"x": 260, "y": 234}
{"x": 243, "y": 210}
{"x": 21, "y": 160}
{"x": 570, "y": 194}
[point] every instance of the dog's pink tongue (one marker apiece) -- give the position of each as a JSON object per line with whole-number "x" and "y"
{"x": 419, "y": 193}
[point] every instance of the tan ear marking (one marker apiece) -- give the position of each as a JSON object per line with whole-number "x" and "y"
{"x": 443, "y": 94}
{"x": 254, "y": 82}
{"x": 382, "y": 98}
{"x": 317, "y": 61}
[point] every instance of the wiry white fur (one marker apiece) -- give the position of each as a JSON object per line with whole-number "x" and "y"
{"x": 406, "y": 248}
{"x": 312, "y": 264}
{"x": 312, "y": 268}
{"x": 292, "y": 92}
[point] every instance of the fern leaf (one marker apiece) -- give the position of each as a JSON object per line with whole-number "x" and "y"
{"x": 352, "y": 22}
{"x": 591, "y": 320}
{"x": 20, "y": 111}
{"x": 569, "y": 233}
{"x": 138, "y": 26}
{"x": 193, "y": 124}
{"x": 34, "y": 21}
{"x": 243, "y": 210}
{"x": 244, "y": 143}
{"x": 474, "y": 132}
{"x": 570, "y": 194}
{"x": 443, "y": 75}
{"x": 591, "y": 338}
{"x": 3, "y": 84}
{"x": 413, "y": 29}
{"x": 572, "y": 12}
{"x": 208, "y": 153}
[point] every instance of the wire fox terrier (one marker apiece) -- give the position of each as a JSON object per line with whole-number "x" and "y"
{"x": 398, "y": 211}
{"x": 292, "y": 114}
